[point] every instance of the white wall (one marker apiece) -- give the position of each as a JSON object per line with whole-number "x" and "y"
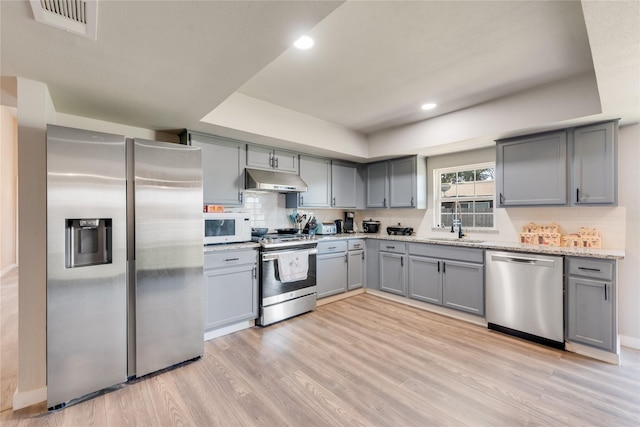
{"x": 8, "y": 188}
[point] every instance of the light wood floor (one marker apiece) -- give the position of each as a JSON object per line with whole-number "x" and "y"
{"x": 367, "y": 361}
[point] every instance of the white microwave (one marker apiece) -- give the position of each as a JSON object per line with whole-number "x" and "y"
{"x": 226, "y": 227}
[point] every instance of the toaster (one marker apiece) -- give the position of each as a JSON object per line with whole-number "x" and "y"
{"x": 326, "y": 228}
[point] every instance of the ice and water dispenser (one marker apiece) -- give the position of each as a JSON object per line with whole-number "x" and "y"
{"x": 88, "y": 242}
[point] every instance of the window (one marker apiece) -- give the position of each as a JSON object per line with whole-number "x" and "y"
{"x": 470, "y": 187}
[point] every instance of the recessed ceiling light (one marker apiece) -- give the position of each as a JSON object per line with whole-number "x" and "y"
{"x": 429, "y": 106}
{"x": 304, "y": 42}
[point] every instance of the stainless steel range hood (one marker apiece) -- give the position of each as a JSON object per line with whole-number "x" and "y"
{"x": 256, "y": 179}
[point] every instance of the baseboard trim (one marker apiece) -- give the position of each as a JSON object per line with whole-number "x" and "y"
{"x": 226, "y": 330}
{"x": 23, "y": 399}
{"x": 444, "y": 311}
{"x": 631, "y": 342}
{"x": 594, "y": 353}
{"x": 8, "y": 269}
{"x": 338, "y": 297}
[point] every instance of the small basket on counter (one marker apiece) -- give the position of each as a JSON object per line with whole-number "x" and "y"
{"x": 551, "y": 235}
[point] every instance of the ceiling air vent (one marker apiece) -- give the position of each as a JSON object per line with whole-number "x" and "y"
{"x": 76, "y": 16}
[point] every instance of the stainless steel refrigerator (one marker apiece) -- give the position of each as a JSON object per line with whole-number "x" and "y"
{"x": 124, "y": 259}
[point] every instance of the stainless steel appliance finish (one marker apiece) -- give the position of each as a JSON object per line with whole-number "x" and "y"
{"x": 168, "y": 255}
{"x": 86, "y": 291}
{"x": 257, "y": 179}
{"x": 278, "y": 300}
{"x": 124, "y": 295}
{"x": 326, "y": 228}
{"x": 525, "y": 296}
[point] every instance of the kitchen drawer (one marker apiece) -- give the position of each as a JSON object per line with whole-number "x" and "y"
{"x": 230, "y": 258}
{"x": 395, "y": 247}
{"x": 589, "y": 267}
{"x": 355, "y": 244}
{"x": 332, "y": 246}
{"x": 457, "y": 253}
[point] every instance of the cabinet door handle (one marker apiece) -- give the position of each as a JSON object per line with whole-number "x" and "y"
{"x": 346, "y": 258}
{"x": 438, "y": 266}
{"x": 577, "y": 195}
{"x": 501, "y": 199}
{"x": 255, "y": 273}
{"x": 401, "y": 261}
{"x": 276, "y": 159}
{"x": 444, "y": 267}
{"x": 589, "y": 269}
{"x": 333, "y": 202}
{"x": 231, "y": 259}
{"x": 411, "y": 201}
{"x": 384, "y": 202}
{"x": 271, "y": 160}
{"x": 605, "y": 292}
{"x": 363, "y": 256}
{"x": 301, "y": 200}
{"x": 240, "y": 196}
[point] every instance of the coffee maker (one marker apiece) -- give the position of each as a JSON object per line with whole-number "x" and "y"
{"x": 349, "y": 218}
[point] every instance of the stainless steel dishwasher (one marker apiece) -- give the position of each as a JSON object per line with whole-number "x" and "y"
{"x": 525, "y": 296}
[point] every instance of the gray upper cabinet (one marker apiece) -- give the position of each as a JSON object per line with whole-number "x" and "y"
{"x": 532, "y": 170}
{"x": 222, "y": 168}
{"x": 397, "y": 183}
{"x": 344, "y": 181}
{"x": 594, "y": 164}
{"x": 377, "y": 185}
{"x": 590, "y": 303}
{"x": 260, "y": 157}
{"x": 316, "y": 172}
{"x": 402, "y": 183}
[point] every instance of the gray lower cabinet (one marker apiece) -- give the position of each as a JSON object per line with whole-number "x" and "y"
{"x": 590, "y": 302}
{"x": 447, "y": 275}
{"x": 392, "y": 267}
{"x": 425, "y": 279}
{"x": 231, "y": 287}
{"x": 594, "y": 165}
{"x": 372, "y": 265}
{"x": 356, "y": 264}
{"x": 222, "y": 168}
{"x": 331, "y": 268}
{"x": 463, "y": 286}
{"x": 532, "y": 170}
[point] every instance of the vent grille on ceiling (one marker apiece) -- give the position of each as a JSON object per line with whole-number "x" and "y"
{"x": 77, "y": 16}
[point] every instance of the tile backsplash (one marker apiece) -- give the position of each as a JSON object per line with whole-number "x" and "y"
{"x": 268, "y": 209}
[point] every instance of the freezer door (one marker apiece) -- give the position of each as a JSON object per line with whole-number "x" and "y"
{"x": 86, "y": 263}
{"x": 169, "y": 289}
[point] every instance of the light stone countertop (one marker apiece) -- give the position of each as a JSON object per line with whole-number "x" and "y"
{"x": 470, "y": 243}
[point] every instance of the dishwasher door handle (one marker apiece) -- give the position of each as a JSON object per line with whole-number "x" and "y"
{"x": 523, "y": 260}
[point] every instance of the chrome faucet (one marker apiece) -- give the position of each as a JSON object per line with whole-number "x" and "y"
{"x": 456, "y": 219}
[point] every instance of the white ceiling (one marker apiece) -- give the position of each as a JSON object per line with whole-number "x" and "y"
{"x": 164, "y": 65}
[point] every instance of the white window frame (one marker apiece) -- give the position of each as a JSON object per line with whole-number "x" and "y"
{"x": 438, "y": 200}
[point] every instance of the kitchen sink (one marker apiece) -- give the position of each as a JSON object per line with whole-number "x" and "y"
{"x": 455, "y": 239}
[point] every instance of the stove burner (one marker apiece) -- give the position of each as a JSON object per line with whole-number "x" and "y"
{"x": 274, "y": 240}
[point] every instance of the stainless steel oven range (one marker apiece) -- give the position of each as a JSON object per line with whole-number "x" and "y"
{"x": 287, "y": 276}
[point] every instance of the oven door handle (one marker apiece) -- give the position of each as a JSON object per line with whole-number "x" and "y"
{"x": 270, "y": 256}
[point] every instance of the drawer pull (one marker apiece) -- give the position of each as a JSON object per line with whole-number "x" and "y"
{"x": 332, "y": 247}
{"x": 391, "y": 247}
{"x": 231, "y": 259}
{"x": 589, "y": 269}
